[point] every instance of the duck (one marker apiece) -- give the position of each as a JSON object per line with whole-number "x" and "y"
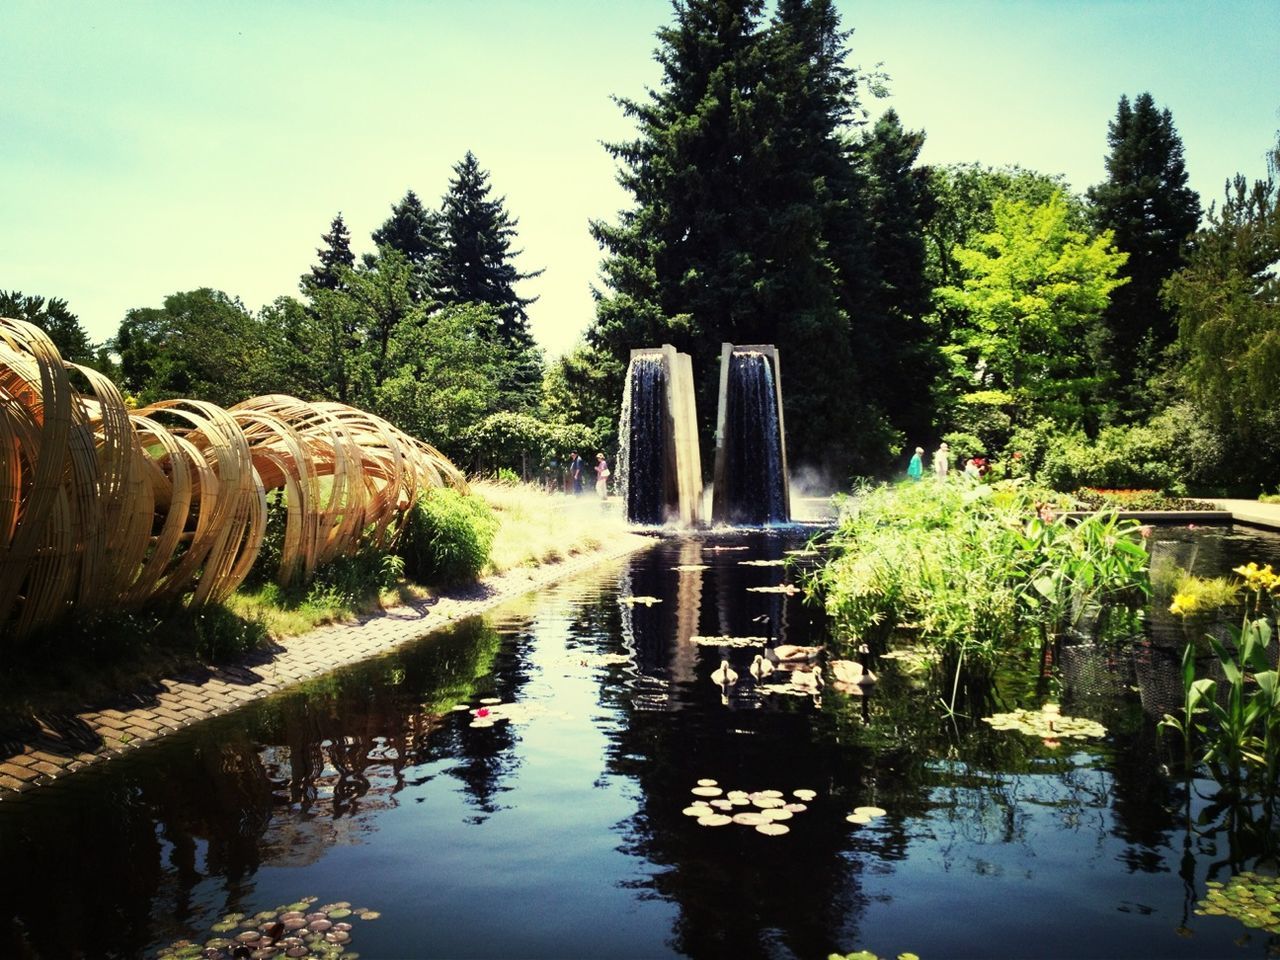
{"x": 851, "y": 676}
{"x": 791, "y": 653}
{"x": 760, "y": 667}
{"x": 806, "y": 679}
{"x": 724, "y": 674}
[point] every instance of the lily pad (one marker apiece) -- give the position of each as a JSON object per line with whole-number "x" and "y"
{"x": 708, "y": 782}
{"x": 859, "y": 818}
{"x": 696, "y": 811}
{"x": 726, "y": 641}
{"x": 773, "y": 829}
{"x": 488, "y": 701}
{"x": 647, "y": 601}
{"x": 803, "y": 794}
{"x": 750, "y": 818}
{"x": 715, "y": 820}
{"x": 706, "y": 791}
{"x": 1047, "y": 723}
{"x": 762, "y": 563}
{"x": 789, "y": 589}
{"x": 777, "y": 813}
{"x": 871, "y": 812}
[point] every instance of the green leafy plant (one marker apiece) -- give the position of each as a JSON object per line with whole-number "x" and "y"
{"x": 1238, "y": 724}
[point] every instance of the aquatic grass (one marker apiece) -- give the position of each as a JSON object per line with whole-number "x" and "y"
{"x": 985, "y": 571}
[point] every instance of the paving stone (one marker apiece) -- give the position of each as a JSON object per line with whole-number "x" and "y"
{"x": 17, "y": 772}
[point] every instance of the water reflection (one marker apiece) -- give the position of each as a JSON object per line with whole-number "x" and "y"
{"x": 518, "y": 838}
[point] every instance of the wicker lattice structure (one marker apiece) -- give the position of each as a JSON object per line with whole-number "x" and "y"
{"x": 104, "y": 507}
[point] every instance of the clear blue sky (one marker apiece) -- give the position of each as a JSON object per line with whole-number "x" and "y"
{"x": 153, "y": 147}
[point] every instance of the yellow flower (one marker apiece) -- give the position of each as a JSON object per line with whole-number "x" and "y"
{"x": 1258, "y": 578}
{"x": 1183, "y": 604}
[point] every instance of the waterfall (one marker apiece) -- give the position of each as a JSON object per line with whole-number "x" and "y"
{"x": 642, "y": 458}
{"x": 754, "y": 480}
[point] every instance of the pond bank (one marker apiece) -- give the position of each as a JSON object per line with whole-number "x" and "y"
{"x": 50, "y": 746}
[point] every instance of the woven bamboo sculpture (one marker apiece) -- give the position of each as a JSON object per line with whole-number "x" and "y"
{"x": 103, "y": 507}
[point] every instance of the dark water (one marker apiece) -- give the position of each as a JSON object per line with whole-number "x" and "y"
{"x": 561, "y": 835}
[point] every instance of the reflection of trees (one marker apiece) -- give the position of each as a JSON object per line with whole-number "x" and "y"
{"x": 111, "y": 861}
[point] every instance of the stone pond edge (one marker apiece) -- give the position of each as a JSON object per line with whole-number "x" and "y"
{"x": 62, "y": 745}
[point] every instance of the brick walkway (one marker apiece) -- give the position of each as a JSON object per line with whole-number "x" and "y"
{"x": 56, "y": 745}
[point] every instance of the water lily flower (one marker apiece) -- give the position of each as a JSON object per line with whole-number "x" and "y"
{"x": 482, "y": 712}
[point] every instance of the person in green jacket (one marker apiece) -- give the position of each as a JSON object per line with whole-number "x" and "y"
{"x": 915, "y": 469}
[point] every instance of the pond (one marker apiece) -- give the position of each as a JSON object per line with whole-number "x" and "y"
{"x": 553, "y": 826}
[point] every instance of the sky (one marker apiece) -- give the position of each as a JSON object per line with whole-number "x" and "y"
{"x": 147, "y": 148}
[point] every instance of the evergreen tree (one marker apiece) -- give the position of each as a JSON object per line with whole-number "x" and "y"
{"x": 55, "y": 318}
{"x": 1147, "y": 203}
{"x": 894, "y": 329}
{"x": 478, "y": 266}
{"x": 415, "y": 232}
{"x": 334, "y": 256}
{"x": 748, "y": 224}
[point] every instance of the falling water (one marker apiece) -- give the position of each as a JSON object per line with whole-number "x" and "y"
{"x": 755, "y": 491}
{"x": 642, "y": 432}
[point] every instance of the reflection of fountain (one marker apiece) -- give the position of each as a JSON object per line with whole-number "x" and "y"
{"x": 659, "y": 463}
{"x": 751, "y": 484}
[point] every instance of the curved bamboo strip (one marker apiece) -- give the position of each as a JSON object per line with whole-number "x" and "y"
{"x": 102, "y": 507}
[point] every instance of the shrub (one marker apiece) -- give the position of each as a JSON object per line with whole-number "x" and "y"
{"x": 447, "y": 537}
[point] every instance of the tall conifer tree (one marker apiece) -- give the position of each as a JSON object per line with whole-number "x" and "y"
{"x": 749, "y": 217}
{"x": 414, "y": 231}
{"x": 1146, "y": 201}
{"x": 333, "y": 256}
{"x": 477, "y": 266}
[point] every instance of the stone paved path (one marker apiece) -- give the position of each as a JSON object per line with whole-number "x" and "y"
{"x": 1252, "y": 512}
{"x": 54, "y": 746}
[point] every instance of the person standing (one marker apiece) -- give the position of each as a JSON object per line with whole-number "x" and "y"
{"x": 941, "y": 460}
{"x": 575, "y": 471}
{"x": 915, "y": 469}
{"x": 602, "y": 476}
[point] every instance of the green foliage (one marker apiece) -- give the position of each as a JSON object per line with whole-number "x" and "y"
{"x": 445, "y": 373}
{"x": 219, "y": 635}
{"x": 1032, "y": 289}
{"x": 584, "y": 387}
{"x": 350, "y": 581}
{"x": 1092, "y": 498}
{"x": 414, "y": 233}
{"x": 1227, "y": 301}
{"x": 523, "y": 443}
{"x": 753, "y": 217}
{"x": 1119, "y": 457}
{"x": 447, "y": 537}
{"x": 1146, "y": 203}
{"x": 334, "y": 257}
{"x": 201, "y": 343}
{"x": 55, "y": 318}
{"x": 477, "y": 266}
{"x": 1238, "y": 724}
{"x": 977, "y": 567}
{"x": 963, "y": 197}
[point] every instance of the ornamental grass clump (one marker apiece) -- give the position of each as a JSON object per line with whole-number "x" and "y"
{"x": 981, "y": 570}
{"x": 448, "y": 537}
